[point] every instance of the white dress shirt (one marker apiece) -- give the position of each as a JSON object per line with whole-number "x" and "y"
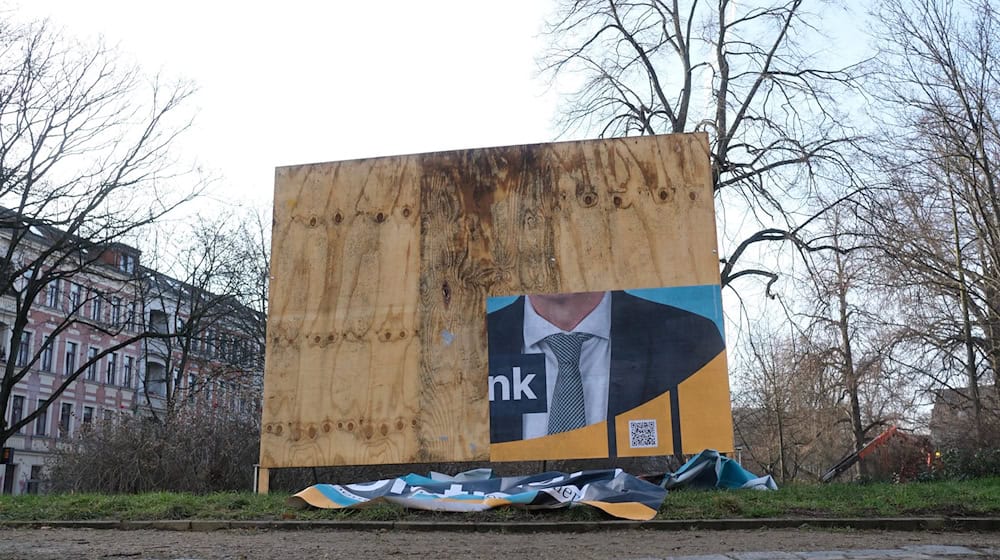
{"x": 595, "y": 362}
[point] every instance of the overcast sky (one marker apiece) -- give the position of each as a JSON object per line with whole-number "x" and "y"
{"x": 304, "y": 81}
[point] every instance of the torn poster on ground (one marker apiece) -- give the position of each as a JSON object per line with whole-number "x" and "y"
{"x": 711, "y": 469}
{"x": 613, "y": 491}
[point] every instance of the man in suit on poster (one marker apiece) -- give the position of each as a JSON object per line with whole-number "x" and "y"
{"x": 629, "y": 350}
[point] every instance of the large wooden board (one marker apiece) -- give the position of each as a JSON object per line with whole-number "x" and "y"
{"x": 376, "y": 349}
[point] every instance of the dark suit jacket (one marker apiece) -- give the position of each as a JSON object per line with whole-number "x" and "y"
{"x": 653, "y": 348}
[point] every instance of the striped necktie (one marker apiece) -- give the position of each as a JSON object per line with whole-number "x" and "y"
{"x": 567, "y": 411}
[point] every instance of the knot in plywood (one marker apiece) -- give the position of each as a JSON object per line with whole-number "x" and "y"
{"x": 321, "y": 340}
{"x": 586, "y": 194}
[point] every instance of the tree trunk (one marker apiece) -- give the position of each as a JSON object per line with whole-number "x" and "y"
{"x": 850, "y": 373}
{"x": 970, "y": 350}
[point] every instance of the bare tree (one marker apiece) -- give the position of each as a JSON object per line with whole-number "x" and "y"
{"x": 84, "y": 165}
{"x": 845, "y": 351}
{"x": 214, "y": 303}
{"x": 940, "y": 214}
{"x": 740, "y": 72}
{"x": 788, "y": 413}
{"x": 765, "y": 411}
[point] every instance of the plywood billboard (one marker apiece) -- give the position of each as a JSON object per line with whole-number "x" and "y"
{"x": 400, "y": 287}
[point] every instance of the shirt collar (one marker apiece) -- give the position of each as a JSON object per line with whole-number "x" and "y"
{"x": 597, "y": 323}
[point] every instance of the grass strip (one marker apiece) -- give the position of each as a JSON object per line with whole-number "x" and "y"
{"x": 972, "y": 498}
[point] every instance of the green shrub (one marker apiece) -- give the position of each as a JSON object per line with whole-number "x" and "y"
{"x": 964, "y": 464}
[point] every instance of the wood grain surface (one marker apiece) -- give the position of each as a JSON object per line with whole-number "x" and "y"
{"x": 376, "y": 351}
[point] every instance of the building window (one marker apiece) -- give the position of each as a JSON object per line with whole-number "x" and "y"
{"x": 112, "y": 368}
{"x": 127, "y": 372}
{"x": 24, "y": 349}
{"x": 47, "y": 345}
{"x": 155, "y": 378}
{"x": 36, "y": 479}
{"x": 116, "y": 311}
{"x": 126, "y": 263}
{"x": 88, "y": 415}
{"x": 70, "y": 362}
{"x": 158, "y": 321}
{"x": 92, "y": 361}
{"x": 41, "y": 421}
{"x": 178, "y": 377}
{"x": 16, "y": 410}
{"x": 130, "y": 316}
{"x": 65, "y": 413}
{"x": 96, "y": 307}
{"x": 52, "y": 294}
{"x": 74, "y": 297}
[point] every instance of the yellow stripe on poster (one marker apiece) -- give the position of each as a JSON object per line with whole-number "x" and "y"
{"x": 656, "y": 410}
{"x": 496, "y": 502}
{"x": 706, "y": 416}
{"x": 315, "y": 498}
{"x": 624, "y": 510}
{"x": 589, "y": 442}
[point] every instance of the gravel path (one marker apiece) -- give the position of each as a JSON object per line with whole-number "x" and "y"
{"x": 39, "y": 544}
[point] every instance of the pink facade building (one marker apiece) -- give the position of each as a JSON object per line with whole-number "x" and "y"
{"x": 94, "y": 318}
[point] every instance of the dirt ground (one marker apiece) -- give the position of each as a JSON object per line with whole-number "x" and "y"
{"x": 39, "y": 544}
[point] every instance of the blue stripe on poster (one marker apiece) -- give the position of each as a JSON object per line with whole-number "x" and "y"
{"x": 499, "y": 302}
{"x": 704, "y": 300}
{"x": 335, "y": 495}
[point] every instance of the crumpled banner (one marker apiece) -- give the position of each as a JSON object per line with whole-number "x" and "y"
{"x": 613, "y": 491}
{"x": 709, "y": 469}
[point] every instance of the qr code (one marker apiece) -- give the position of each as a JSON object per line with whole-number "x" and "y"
{"x": 642, "y": 433}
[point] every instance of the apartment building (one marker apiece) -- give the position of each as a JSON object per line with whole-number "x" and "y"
{"x": 95, "y": 318}
{"x": 952, "y": 422}
{"x": 215, "y": 361}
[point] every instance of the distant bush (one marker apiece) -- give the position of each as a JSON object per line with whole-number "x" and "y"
{"x": 963, "y": 464}
{"x": 193, "y": 452}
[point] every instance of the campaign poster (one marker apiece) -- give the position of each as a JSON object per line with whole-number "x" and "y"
{"x": 620, "y": 373}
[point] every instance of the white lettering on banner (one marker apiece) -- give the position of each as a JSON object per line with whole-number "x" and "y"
{"x": 398, "y": 486}
{"x": 348, "y": 494}
{"x": 457, "y": 489}
{"x": 564, "y": 493}
{"x": 504, "y": 387}
{"x": 522, "y": 388}
{"x": 368, "y": 486}
{"x": 547, "y": 482}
